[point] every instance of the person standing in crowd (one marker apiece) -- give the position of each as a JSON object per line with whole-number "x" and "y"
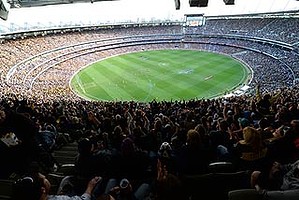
{"x": 266, "y": 101}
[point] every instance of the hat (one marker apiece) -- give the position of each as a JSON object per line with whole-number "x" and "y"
{"x": 165, "y": 150}
{"x": 243, "y": 122}
{"x": 124, "y": 183}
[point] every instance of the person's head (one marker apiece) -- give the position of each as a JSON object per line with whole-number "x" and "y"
{"x": 263, "y": 123}
{"x": 270, "y": 179}
{"x": 243, "y": 122}
{"x": 2, "y": 116}
{"x": 222, "y": 124}
{"x": 127, "y": 147}
{"x": 85, "y": 146}
{"x": 280, "y": 131}
{"x": 295, "y": 125}
{"x": 193, "y": 138}
{"x": 165, "y": 150}
{"x": 117, "y": 131}
{"x": 251, "y": 137}
{"x": 105, "y": 197}
{"x": 34, "y": 187}
{"x": 125, "y": 186}
{"x": 200, "y": 129}
{"x": 267, "y": 96}
{"x": 170, "y": 188}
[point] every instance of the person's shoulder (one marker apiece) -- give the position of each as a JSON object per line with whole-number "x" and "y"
{"x": 85, "y": 196}
{"x": 17, "y": 115}
{"x": 213, "y": 132}
{"x": 58, "y": 197}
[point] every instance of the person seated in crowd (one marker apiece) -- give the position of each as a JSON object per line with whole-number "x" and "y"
{"x": 167, "y": 156}
{"x": 85, "y": 159}
{"x": 89, "y": 162}
{"x": 123, "y": 190}
{"x": 284, "y": 142}
{"x": 131, "y": 162}
{"x": 17, "y": 144}
{"x": 265, "y": 127}
{"x": 46, "y": 140}
{"x": 47, "y": 137}
{"x": 251, "y": 151}
{"x": 277, "y": 177}
{"x": 220, "y": 141}
{"x": 167, "y": 185}
{"x": 193, "y": 157}
{"x": 35, "y": 186}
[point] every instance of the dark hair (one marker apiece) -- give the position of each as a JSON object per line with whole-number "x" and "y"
{"x": 84, "y": 146}
{"x": 28, "y": 187}
{"x": 170, "y": 188}
{"x": 104, "y": 197}
{"x": 273, "y": 182}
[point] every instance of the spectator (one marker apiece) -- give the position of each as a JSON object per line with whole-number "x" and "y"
{"x": 131, "y": 163}
{"x": 123, "y": 190}
{"x": 35, "y": 186}
{"x": 265, "y": 102}
{"x": 88, "y": 163}
{"x": 167, "y": 157}
{"x": 193, "y": 157}
{"x": 167, "y": 185}
{"x": 285, "y": 142}
{"x": 221, "y": 136}
{"x": 250, "y": 153}
{"x": 15, "y": 157}
{"x": 278, "y": 177}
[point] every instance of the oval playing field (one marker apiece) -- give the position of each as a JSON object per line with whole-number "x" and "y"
{"x": 160, "y": 75}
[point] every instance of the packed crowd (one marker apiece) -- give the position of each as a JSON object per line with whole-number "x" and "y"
{"x": 49, "y": 73}
{"x": 129, "y": 139}
{"x": 129, "y": 150}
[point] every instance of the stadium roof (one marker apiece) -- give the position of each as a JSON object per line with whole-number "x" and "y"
{"x": 101, "y": 12}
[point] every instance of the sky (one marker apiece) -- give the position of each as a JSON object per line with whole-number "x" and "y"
{"x": 140, "y": 10}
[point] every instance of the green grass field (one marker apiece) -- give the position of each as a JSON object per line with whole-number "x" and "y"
{"x": 161, "y": 75}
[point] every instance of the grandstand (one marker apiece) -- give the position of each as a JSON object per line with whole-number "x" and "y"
{"x": 258, "y": 41}
{"x": 40, "y": 55}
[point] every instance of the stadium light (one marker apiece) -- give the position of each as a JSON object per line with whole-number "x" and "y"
{"x": 4, "y": 9}
{"x": 198, "y": 3}
{"x": 229, "y": 2}
{"x": 177, "y": 4}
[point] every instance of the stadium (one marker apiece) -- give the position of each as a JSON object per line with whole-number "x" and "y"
{"x": 95, "y": 69}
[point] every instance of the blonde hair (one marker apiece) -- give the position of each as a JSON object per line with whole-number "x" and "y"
{"x": 253, "y": 138}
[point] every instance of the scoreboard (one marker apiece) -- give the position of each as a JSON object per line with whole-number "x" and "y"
{"x": 194, "y": 20}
